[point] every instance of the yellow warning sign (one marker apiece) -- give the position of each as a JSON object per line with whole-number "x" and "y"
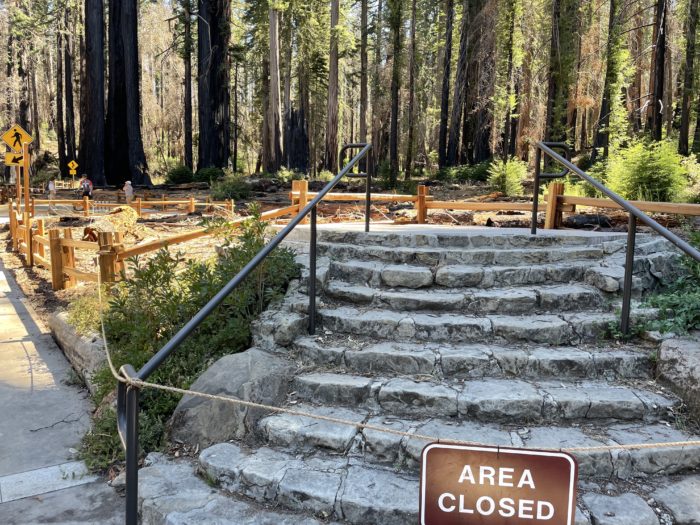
{"x": 16, "y": 136}
{"x": 13, "y": 159}
{"x": 72, "y": 165}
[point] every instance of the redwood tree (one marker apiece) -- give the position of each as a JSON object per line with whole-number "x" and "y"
{"x": 92, "y": 143}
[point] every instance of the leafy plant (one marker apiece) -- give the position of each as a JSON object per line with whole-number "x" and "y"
{"x": 180, "y": 175}
{"x": 209, "y": 175}
{"x": 147, "y": 310}
{"x": 84, "y": 313}
{"x": 507, "y": 176}
{"x": 465, "y": 173}
{"x": 232, "y": 187}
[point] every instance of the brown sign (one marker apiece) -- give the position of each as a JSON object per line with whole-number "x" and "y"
{"x": 465, "y": 485}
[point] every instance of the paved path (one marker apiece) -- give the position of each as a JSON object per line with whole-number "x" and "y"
{"x": 42, "y": 420}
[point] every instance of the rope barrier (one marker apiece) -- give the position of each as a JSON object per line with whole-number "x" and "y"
{"x": 340, "y": 421}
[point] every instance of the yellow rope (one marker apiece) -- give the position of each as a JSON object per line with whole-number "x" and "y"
{"x": 361, "y": 426}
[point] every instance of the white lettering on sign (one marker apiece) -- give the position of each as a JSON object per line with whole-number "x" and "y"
{"x": 505, "y": 477}
{"x": 506, "y": 507}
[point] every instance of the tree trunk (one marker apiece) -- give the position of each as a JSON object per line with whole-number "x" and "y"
{"x": 636, "y": 88}
{"x": 396, "y": 23}
{"x": 688, "y": 77}
{"x": 460, "y": 88}
{"x": 213, "y": 86}
{"x": 124, "y": 156}
{"x": 60, "y": 132}
{"x": 69, "y": 104}
{"x": 187, "y": 62}
{"x": 331, "y": 154}
{"x": 411, "y": 94}
{"x": 376, "y": 92}
{"x": 445, "y": 100}
{"x": 658, "y": 71}
{"x": 507, "y": 141}
{"x": 696, "y": 135}
{"x": 561, "y": 57}
{"x": 93, "y": 121}
{"x": 288, "y": 96}
{"x": 363, "y": 78}
{"x": 235, "y": 118}
{"x": 602, "y": 139}
{"x": 274, "y": 125}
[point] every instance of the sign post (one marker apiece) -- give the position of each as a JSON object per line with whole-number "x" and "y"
{"x": 480, "y": 485}
{"x": 18, "y": 140}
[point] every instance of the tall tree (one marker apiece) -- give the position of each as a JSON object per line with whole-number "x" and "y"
{"x": 445, "y": 99}
{"x": 612, "y": 68}
{"x": 187, "y": 47}
{"x": 60, "y": 130}
{"x": 562, "y": 56}
{"x": 691, "y": 25}
{"x": 460, "y": 87}
{"x": 272, "y": 145}
{"x": 395, "y": 22}
{"x": 411, "y": 95}
{"x": 92, "y": 143}
{"x": 363, "y": 73}
{"x": 213, "y": 89}
{"x": 657, "y": 76}
{"x": 69, "y": 105}
{"x": 377, "y": 124}
{"x": 331, "y": 154}
{"x": 124, "y": 156}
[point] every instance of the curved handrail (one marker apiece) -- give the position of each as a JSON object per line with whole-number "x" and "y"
{"x": 629, "y": 207}
{"x": 127, "y": 395}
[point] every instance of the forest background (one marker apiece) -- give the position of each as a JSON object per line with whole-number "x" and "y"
{"x": 139, "y": 90}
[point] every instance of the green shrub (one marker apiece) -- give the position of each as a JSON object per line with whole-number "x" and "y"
{"x": 84, "y": 313}
{"x": 147, "y": 310}
{"x": 231, "y": 187}
{"x": 507, "y": 176}
{"x": 180, "y": 175}
{"x": 651, "y": 171}
{"x": 209, "y": 175}
{"x": 465, "y": 173}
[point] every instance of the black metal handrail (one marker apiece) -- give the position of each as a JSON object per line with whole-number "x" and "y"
{"x": 634, "y": 214}
{"x": 127, "y": 394}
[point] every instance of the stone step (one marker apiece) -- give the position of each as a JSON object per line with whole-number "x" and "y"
{"x": 512, "y": 400}
{"x": 303, "y": 434}
{"x": 553, "y": 298}
{"x": 354, "y": 491}
{"x": 434, "y": 256}
{"x": 464, "y": 361}
{"x": 549, "y": 329}
{"x": 455, "y": 276}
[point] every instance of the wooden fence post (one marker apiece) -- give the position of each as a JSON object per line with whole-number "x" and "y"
{"x": 40, "y": 231}
{"x": 295, "y": 188}
{"x": 138, "y": 206}
{"x": 118, "y": 246}
{"x": 421, "y": 210}
{"x": 303, "y": 197}
{"x": 106, "y": 258}
{"x": 553, "y": 216}
{"x": 191, "y": 206}
{"x": 13, "y": 226}
{"x": 68, "y": 253}
{"x": 29, "y": 256}
{"x": 56, "y": 254}
{"x": 86, "y": 206}
{"x": 32, "y": 207}
{"x": 230, "y": 206}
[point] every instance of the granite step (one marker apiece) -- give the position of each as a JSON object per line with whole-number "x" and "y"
{"x": 464, "y": 361}
{"x": 555, "y": 330}
{"x": 521, "y": 300}
{"x": 432, "y": 256}
{"x": 352, "y": 490}
{"x": 512, "y": 400}
{"x": 303, "y": 434}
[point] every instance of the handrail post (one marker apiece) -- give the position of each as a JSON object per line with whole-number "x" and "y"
{"x": 536, "y": 189}
{"x": 312, "y": 273}
{"x": 629, "y": 272}
{"x": 132, "y": 455}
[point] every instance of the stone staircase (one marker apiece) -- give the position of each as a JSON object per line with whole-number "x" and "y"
{"x": 485, "y": 336}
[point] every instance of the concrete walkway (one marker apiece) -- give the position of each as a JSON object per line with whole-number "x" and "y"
{"x": 43, "y": 418}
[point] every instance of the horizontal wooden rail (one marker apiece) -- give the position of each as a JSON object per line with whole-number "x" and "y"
{"x": 479, "y": 206}
{"x": 294, "y": 195}
{"x": 81, "y": 245}
{"x": 654, "y": 207}
{"x": 80, "y": 275}
{"x": 41, "y": 261}
{"x": 40, "y": 239}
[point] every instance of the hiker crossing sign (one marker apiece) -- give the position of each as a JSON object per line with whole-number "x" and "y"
{"x": 15, "y": 137}
{"x": 13, "y": 159}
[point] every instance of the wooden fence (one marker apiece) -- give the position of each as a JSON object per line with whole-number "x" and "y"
{"x": 55, "y": 248}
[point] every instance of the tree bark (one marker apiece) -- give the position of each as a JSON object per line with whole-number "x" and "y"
{"x": 657, "y": 76}
{"x": 93, "y": 121}
{"x": 60, "y": 132}
{"x": 460, "y": 87}
{"x": 396, "y": 14}
{"x": 69, "y": 103}
{"x": 411, "y": 95}
{"x": 363, "y": 77}
{"x": 688, "y": 77}
{"x": 602, "y": 139}
{"x": 124, "y": 156}
{"x": 331, "y": 154}
{"x": 274, "y": 126}
{"x": 187, "y": 62}
{"x": 376, "y": 92}
{"x": 445, "y": 99}
{"x": 214, "y": 91}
